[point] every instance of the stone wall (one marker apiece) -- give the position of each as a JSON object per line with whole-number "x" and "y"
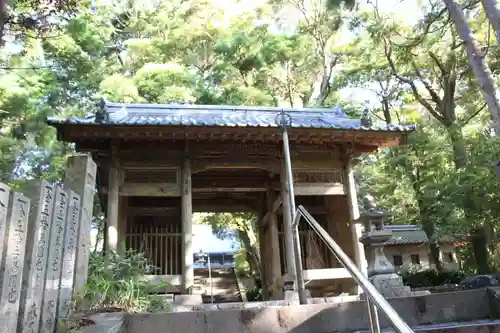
{"x": 345, "y": 315}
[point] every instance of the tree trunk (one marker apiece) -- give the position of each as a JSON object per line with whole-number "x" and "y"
{"x": 493, "y": 13}
{"x": 387, "y": 111}
{"x": 458, "y": 146}
{"x": 480, "y": 250}
{"x": 252, "y": 254}
{"x": 3, "y": 10}
{"x": 476, "y": 61}
{"x": 429, "y": 229}
{"x": 479, "y": 240}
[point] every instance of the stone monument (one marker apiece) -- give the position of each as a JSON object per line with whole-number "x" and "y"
{"x": 14, "y": 260}
{"x": 80, "y": 177}
{"x": 381, "y": 272}
{"x": 53, "y": 273}
{"x": 37, "y": 250}
{"x": 69, "y": 254}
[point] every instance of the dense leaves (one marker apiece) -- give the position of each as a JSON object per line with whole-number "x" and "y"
{"x": 283, "y": 53}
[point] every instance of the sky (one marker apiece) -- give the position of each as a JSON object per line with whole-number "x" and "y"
{"x": 204, "y": 240}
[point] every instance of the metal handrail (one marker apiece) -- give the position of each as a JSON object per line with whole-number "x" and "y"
{"x": 373, "y": 296}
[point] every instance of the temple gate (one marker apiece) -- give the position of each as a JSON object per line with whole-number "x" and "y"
{"x": 158, "y": 164}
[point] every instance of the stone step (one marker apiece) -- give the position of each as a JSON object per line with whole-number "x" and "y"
{"x": 224, "y": 286}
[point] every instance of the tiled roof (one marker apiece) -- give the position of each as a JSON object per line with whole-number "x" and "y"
{"x": 410, "y": 234}
{"x": 224, "y": 116}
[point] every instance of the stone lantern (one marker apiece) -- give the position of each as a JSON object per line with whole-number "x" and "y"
{"x": 381, "y": 272}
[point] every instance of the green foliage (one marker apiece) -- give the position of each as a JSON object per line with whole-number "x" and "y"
{"x": 118, "y": 281}
{"x": 224, "y": 225}
{"x": 254, "y": 294}
{"x": 242, "y": 267}
{"x": 205, "y": 53}
{"x": 431, "y": 278}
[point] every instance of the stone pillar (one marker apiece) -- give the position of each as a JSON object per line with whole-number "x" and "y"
{"x": 14, "y": 261}
{"x": 288, "y": 230}
{"x": 42, "y": 195}
{"x": 53, "y": 275}
{"x": 80, "y": 177}
{"x": 68, "y": 271}
{"x": 112, "y": 213}
{"x": 187, "y": 228}
{"x": 381, "y": 272}
{"x": 4, "y": 205}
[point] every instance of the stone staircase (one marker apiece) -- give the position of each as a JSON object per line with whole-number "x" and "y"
{"x": 224, "y": 285}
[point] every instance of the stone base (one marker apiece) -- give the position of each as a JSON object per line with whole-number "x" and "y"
{"x": 291, "y": 295}
{"x": 390, "y": 285}
{"x": 188, "y": 300}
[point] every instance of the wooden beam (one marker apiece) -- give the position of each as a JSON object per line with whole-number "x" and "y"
{"x": 318, "y": 189}
{"x": 79, "y": 132}
{"x": 197, "y": 208}
{"x": 150, "y": 189}
{"x": 174, "y": 190}
{"x": 228, "y": 189}
{"x": 156, "y": 158}
{"x": 154, "y": 211}
{"x": 277, "y": 203}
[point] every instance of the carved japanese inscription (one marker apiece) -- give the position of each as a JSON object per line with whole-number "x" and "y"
{"x": 69, "y": 254}
{"x": 80, "y": 177}
{"x": 53, "y": 273}
{"x": 38, "y": 236}
{"x": 11, "y": 276}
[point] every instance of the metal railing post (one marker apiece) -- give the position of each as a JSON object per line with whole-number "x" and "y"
{"x": 372, "y": 316}
{"x": 284, "y": 122}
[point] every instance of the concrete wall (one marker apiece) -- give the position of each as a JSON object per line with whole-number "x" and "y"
{"x": 407, "y": 250}
{"x": 318, "y": 318}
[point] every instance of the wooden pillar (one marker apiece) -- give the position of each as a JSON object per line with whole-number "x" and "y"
{"x": 264, "y": 254}
{"x": 339, "y": 227}
{"x": 287, "y": 228}
{"x": 274, "y": 248}
{"x": 113, "y": 203}
{"x": 122, "y": 223}
{"x": 187, "y": 228}
{"x": 352, "y": 198}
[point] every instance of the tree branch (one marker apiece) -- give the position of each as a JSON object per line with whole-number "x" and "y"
{"x": 438, "y": 62}
{"x": 466, "y": 121}
{"x": 413, "y": 87}
{"x": 434, "y": 95}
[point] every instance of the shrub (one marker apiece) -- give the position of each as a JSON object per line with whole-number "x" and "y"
{"x": 431, "y": 278}
{"x": 254, "y": 294}
{"x": 118, "y": 281}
